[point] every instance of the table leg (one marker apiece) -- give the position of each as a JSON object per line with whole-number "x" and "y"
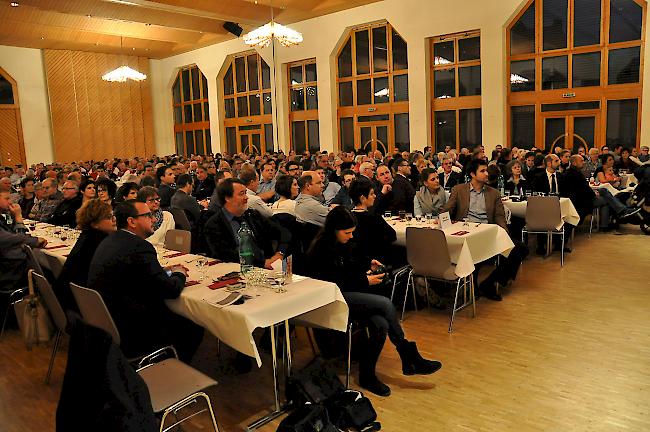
{"x": 279, "y": 410}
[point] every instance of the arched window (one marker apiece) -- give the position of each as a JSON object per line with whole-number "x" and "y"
{"x": 303, "y": 106}
{"x": 456, "y": 104}
{"x": 191, "y": 112}
{"x": 575, "y": 73}
{"x": 372, "y": 79}
{"x": 247, "y": 105}
{"x": 12, "y": 147}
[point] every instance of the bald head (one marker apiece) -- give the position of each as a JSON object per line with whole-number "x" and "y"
{"x": 577, "y": 161}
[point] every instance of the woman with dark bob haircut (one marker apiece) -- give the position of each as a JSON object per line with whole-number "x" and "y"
{"x": 287, "y": 187}
{"x": 333, "y": 259}
{"x": 96, "y": 221}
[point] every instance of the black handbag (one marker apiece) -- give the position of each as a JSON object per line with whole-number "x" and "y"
{"x": 315, "y": 383}
{"x": 351, "y": 410}
{"x": 308, "y": 418}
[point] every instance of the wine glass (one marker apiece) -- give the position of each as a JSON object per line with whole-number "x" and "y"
{"x": 201, "y": 262}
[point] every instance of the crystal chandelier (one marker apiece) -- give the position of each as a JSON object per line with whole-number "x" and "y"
{"x": 123, "y": 73}
{"x": 263, "y": 36}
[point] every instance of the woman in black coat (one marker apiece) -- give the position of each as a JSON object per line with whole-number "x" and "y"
{"x": 333, "y": 259}
{"x": 96, "y": 221}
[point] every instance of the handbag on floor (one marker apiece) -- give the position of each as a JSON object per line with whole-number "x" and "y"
{"x": 308, "y": 418}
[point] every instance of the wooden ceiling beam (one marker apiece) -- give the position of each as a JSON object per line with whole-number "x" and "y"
{"x": 239, "y": 11}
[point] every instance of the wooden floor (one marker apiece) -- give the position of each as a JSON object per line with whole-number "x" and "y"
{"x": 568, "y": 349}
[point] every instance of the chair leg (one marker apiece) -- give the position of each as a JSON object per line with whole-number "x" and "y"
{"x": 4, "y": 321}
{"x": 562, "y": 250}
{"x": 471, "y": 289}
{"x": 409, "y": 281}
{"x": 349, "y": 362}
{"x": 426, "y": 290}
{"x": 311, "y": 341}
{"x": 398, "y": 274}
{"x": 453, "y": 311}
{"x": 55, "y": 348}
{"x": 182, "y": 404}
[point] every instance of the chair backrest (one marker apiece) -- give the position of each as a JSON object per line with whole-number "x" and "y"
{"x": 33, "y": 260}
{"x": 427, "y": 252}
{"x": 181, "y": 219}
{"x": 94, "y": 310}
{"x": 43, "y": 287}
{"x": 543, "y": 213}
{"x": 178, "y": 240}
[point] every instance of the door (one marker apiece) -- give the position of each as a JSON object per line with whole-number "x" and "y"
{"x": 374, "y": 136}
{"x": 249, "y": 142}
{"x": 570, "y": 131}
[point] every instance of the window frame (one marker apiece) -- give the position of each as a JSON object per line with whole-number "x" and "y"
{"x": 304, "y": 115}
{"x": 183, "y": 127}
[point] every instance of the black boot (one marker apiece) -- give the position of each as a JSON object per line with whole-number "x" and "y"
{"x": 367, "y": 378}
{"x": 412, "y": 361}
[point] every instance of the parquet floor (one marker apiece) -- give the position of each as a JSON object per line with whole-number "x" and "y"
{"x": 567, "y": 350}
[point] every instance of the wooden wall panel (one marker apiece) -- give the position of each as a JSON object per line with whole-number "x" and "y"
{"x": 94, "y": 119}
{"x": 11, "y": 146}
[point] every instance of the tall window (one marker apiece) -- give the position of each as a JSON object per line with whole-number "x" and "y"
{"x": 456, "y": 75}
{"x": 574, "y": 71}
{"x": 372, "y": 80}
{"x": 191, "y": 112}
{"x": 247, "y": 105}
{"x": 303, "y": 106}
{"x": 12, "y": 147}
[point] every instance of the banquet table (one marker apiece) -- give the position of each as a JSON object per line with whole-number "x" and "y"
{"x": 569, "y": 213}
{"x": 611, "y": 188}
{"x": 481, "y": 242}
{"x": 628, "y": 179}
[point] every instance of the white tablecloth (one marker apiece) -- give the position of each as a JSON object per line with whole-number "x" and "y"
{"x": 627, "y": 179}
{"x": 611, "y": 188}
{"x": 311, "y": 301}
{"x": 483, "y": 242}
{"x": 569, "y": 213}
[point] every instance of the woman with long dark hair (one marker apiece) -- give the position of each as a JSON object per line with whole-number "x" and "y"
{"x": 333, "y": 259}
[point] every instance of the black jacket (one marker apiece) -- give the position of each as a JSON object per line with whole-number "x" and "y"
{"x": 373, "y": 236}
{"x": 165, "y": 192}
{"x": 126, "y": 272}
{"x": 454, "y": 179}
{"x": 188, "y": 203}
{"x": 203, "y": 189}
{"x": 541, "y": 184}
{"x": 578, "y": 191}
{"x": 65, "y": 214}
{"x": 340, "y": 264}
{"x": 403, "y": 194}
{"x": 517, "y": 189}
{"x": 223, "y": 245}
{"x": 77, "y": 265}
{"x": 101, "y": 391}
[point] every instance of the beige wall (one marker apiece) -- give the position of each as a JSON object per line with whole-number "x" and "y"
{"x": 25, "y": 65}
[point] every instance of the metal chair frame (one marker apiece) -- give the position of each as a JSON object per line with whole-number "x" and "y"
{"x": 549, "y": 233}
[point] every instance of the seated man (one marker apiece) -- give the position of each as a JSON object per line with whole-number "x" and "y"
{"x": 477, "y": 202}
{"x": 342, "y": 196}
{"x": 266, "y": 186}
{"x": 44, "y": 208}
{"x": 221, "y": 229}
{"x": 403, "y": 190}
{"x": 13, "y": 261}
{"x": 204, "y": 184}
{"x": 166, "y": 189}
{"x": 330, "y": 188}
{"x": 308, "y": 207}
{"x": 186, "y": 202}
{"x": 126, "y": 272}
{"x": 65, "y": 213}
{"x": 448, "y": 177}
{"x": 385, "y": 198}
{"x": 251, "y": 181}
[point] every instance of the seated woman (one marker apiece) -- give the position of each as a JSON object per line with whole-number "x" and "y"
{"x": 163, "y": 221}
{"x": 106, "y": 190}
{"x": 287, "y": 187}
{"x": 606, "y": 172}
{"x": 373, "y": 236}
{"x": 87, "y": 189}
{"x": 128, "y": 191}
{"x": 625, "y": 162}
{"x": 333, "y": 259}
{"x": 96, "y": 221}
{"x": 431, "y": 197}
{"x": 516, "y": 184}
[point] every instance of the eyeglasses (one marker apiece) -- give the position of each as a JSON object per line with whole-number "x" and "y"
{"x": 148, "y": 214}
{"x": 157, "y": 199}
{"x": 102, "y": 190}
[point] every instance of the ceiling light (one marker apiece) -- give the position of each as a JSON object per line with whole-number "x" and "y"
{"x": 263, "y": 36}
{"x": 123, "y": 73}
{"x": 438, "y": 60}
{"x": 517, "y": 79}
{"x": 14, "y": 4}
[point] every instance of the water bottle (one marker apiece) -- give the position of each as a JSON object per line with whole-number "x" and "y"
{"x": 502, "y": 185}
{"x": 245, "y": 247}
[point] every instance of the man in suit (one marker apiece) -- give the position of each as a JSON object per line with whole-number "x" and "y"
{"x": 403, "y": 190}
{"x": 65, "y": 213}
{"x": 166, "y": 188}
{"x": 221, "y": 229}
{"x": 126, "y": 272}
{"x": 204, "y": 184}
{"x": 551, "y": 181}
{"x": 186, "y": 202}
{"x": 477, "y": 202}
{"x": 449, "y": 178}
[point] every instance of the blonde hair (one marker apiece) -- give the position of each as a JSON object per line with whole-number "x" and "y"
{"x": 93, "y": 211}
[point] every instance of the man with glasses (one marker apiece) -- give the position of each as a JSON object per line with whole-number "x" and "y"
{"x": 65, "y": 212}
{"x": 44, "y": 208}
{"x": 343, "y": 197}
{"x": 448, "y": 177}
{"x": 403, "y": 191}
{"x": 126, "y": 272}
{"x": 204, "y": 185}
{"x": 294, "y": 169}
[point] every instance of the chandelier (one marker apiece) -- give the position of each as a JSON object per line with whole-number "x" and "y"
{"x": 123, "y": 73}
{"x": 263, "y": 36}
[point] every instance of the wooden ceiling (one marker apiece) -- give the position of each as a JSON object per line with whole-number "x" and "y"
{"x": 147, "y": 28}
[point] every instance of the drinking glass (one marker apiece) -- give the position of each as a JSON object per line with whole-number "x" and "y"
{"x": 409, "y": 217}
{"x": 388, "y": 215}
{"x": 201, "y": 263}
{"x": 402, "y": 215}
{"x": 280, "y": 278}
